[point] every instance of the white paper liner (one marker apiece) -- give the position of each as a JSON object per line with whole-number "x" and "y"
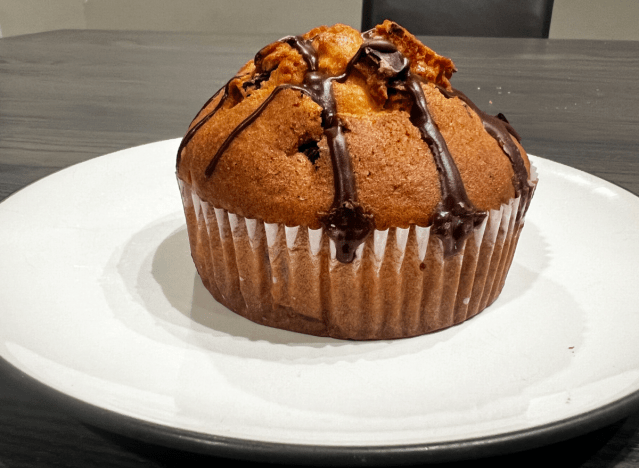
{"x": 399, "y": 285}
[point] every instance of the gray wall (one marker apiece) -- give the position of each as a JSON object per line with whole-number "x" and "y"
{"x": 572, "y": 19}
{"x": 595, "y": 19}
{"x": 244, "y": 16}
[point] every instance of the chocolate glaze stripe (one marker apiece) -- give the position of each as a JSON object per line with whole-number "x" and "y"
{"x": 500, "y": 129}
{"x": 347, "y": 223}
{"x": 191, "y": 133}
{"x": 455, "y": 216}
{"x": 193, "y": 130}
{"x": 305, "y": 49}
{"x": 243, "y": 125}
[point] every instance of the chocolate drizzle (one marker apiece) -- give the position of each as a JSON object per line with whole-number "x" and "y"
{"x": 346, "y": 223}
{"x": 193, "y": 130}
{"x": 455, "y": 216}
{"x": 500, "y": 129}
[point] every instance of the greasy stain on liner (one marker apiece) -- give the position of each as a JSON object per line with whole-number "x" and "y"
{"x": 346, "y": 222}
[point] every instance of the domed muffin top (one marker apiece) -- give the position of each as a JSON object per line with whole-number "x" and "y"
{"x": 352, "y": 132}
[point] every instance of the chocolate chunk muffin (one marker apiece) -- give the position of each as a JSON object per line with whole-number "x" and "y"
{"x": 339, "y": 186}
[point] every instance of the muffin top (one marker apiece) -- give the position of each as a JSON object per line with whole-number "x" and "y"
{"x": 352, "y": 132}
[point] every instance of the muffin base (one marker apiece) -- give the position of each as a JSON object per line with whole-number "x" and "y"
{"x": 400, "y": 284}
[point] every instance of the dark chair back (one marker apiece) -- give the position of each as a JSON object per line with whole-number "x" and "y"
{"x": 478, "y": 18}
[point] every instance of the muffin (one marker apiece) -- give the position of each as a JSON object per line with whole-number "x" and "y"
{"x": 339, "y": 186}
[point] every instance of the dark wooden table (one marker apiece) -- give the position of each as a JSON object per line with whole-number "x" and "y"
{"x": 69, "y": 96}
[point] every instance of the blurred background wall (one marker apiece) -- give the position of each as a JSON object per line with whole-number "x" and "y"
{"x": 572, "y": 19}
{"x": 595, "y": 19}
{"x": 224, "y": 16}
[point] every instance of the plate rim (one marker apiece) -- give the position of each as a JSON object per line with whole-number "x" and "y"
{"x": 290, "y": 453}
{"x": 346, "y": 455}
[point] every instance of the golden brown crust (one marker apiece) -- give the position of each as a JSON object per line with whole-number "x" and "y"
{"x": 424, "y": 61}
{"x": 263, "y": 174}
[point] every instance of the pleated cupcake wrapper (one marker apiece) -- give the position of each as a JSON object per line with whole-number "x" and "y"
{"x": 399, "y": 285}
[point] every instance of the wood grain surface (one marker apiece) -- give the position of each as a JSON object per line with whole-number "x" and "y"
{"x": 69, "y": 96}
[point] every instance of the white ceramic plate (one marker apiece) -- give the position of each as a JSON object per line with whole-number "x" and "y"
{"x": 101, "y": 302}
